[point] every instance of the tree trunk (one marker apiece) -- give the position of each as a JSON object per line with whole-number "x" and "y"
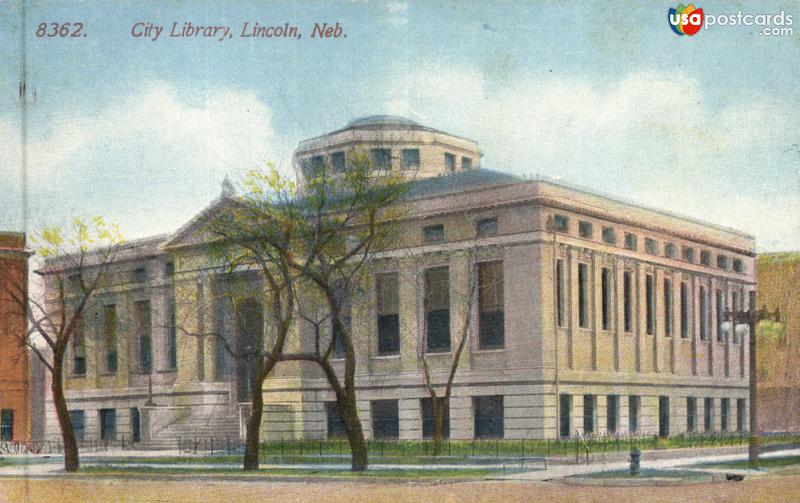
{"x": 355, "y": 435}
{"x": 438, "y": 431}
{"x": 252, "y": 442}
{"x": 71, "y": 462}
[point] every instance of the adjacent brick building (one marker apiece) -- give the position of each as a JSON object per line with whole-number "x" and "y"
{"x": 15, "y": 417}
{"x": 779, "y": 343}
{"x": 594, "y": 316}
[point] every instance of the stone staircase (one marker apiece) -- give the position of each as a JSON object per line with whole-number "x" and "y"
{"x": 195, "y": 426}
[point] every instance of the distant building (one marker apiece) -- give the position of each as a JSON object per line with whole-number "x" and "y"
{"x": 15, "y": 416}
{"x": 779, "y": 343}
{"x": 595, "y": 316}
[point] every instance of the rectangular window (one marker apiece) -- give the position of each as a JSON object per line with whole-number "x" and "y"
{"x": 410, "y": 158}
{"x": 486, "y": 227}
{"x": 612, "y": 414}
{"x": 450, "y": 162}
{"x": 79, "y": 350}
{"x": 722, "y": 262}
{"x": 108, "y": 424}
{"x": 388, "y": 293}
{"x": 585, "y": 229}
{"x": 169, "y": 269}
{"x": 565, "y": 414}
{"x": 607, "y": 292}
{"x": 724, "y": 406}
{"x": 140, "y": 275}
{"x": 633, "y": 413}
{"x": 650, "y": 293}
{"x": 433, "y": 233}
{"x": 708, "y": 413}
{"x": 338, "y": 162}
{"x": 110, "y": 337}
{"x": 670, "y": 250}
{"x": 343, "y": 296}
{"x": 685, "y": 306}
{"x": 688, "y": 254}
{"x": 583, "y": 295}
{"x": 437, "y": 309}
{"x": 738, "y": 266}
{"x": 488, "y": 416}
{"x": 381, "y": 158}
{"x": 561, "y": 223}
{"x": 720, "y": 303}
{"x": 385, "y": 419}
{"x": 7, "y": 425}
{"x": 651, "y": 246}
{"x": 317, "y": 165}
{"x": 136, "y": 425}
{"x": 734, "y": 307}
{"x": 668, "y": 311}
{"x": 663, "y": 416}
{"x": 142, "y": 321}
{"x": 703, "y": 313}
{"x": 172, "y": 336}
{"x": 78, "y": 420}
{"x": 560, "y": 292}
{"x": 466, "y": 163}
{"x": 627, "y": 297}
{"x": 691, "y": 414}
{"x": 705, "y": 257}
{"x": 609, "y": 236}
{"x": 491, "y": 322}
{"x": 740, "y": 414}
{"x": 631, "y": 241}
{"x": 588, "y": 414}
{"x": 429, "y": 421}
{"x": 336, "y": 427}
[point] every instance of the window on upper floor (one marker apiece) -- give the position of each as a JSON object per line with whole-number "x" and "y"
{"x": 491, "y": 319}
{"x": 583, "y": 295}
{"x": 738, "y": 265}
{"x": 723, "y": 262}
{"x": 585, "y": 229}
{"x": 317, "y": 164}
{"x": 651, "y": 246}
{"x": 410, "y": 158}
{"x": 609, "y": 235}
{"x": 437, "y": 309}
{"x": 381, "y": 158}
{"x": 686, "y": 305}
{"x": 79, "y": 350}
{"x": 607, "y": 291}
{"x": 650, "y": 304}
{"x": 169, "y": 269}
{"x": 486, "y": 227}
{"x": 110, "y": 338}
{"x": 670, "y": 250}
{"x": 688, "y": 254}
{"x": 704, "y": 318}
{"x": 627, "y": 301}
{"x": 388, "y": 297}
{"x": 337, "y": 334}
{"x": 668, "y": 309}
{"x": 433, "y": 233}
{"x": 140, "y": 275}
{"x": 561, "y": 223}
{"x": 560, "y": 292}
{"x": 338, "y": 162}
{"x": 720, "y": 308}
{"x": 631, "y": 241}
{"x": 466, "y": 163}
{"x": 143, "y": 335}
{"x": 705, "y": 257}
{"x": 450, "y": 162}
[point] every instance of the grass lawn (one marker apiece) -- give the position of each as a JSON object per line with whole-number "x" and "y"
{"x": 765, "y": 463}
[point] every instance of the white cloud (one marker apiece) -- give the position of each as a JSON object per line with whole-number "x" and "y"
{"x": 159, "y": 150}
{"x": 647, "y": 136}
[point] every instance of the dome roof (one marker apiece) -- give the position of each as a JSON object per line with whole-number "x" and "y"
{"x": 381, "y": 120}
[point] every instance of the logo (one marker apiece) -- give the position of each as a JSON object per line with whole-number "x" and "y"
{"x": 686, "y": 20}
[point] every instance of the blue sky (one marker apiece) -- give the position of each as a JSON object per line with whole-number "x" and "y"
{"x": 611, "y": 99}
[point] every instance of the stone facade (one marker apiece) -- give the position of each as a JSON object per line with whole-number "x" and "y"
{"x": 580, "y": 315}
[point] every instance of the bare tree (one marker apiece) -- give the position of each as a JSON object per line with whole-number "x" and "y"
{"x": 73, "y": 274}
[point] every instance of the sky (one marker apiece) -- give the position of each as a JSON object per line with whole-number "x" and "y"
{"x": 143, "y": 132}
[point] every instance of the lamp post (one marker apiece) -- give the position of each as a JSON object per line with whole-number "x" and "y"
{"x": 751, "y": 317}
